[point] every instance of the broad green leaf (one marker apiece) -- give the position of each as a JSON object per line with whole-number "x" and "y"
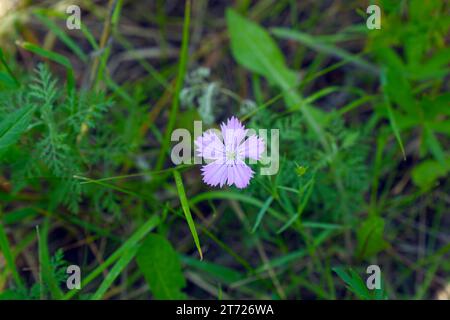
{"x": 12, "y": 295}
{"x": 254, "y": 48}
{"x": 354, "y": 282}
{"x": 394, "y": 80}
{"x": 415, "y": 44}
{"x": 425, "y": 174}
{"x": 442, "y": 127}
{"x": 370, "y": 237}
{"x": 419, "y": 9}
{"x": 433, "y": 67}
{"x": 187, "y": 211}
{"x": 12, "y": 127}
{"x": 390, "y": 112}
{"x": 433, "y": 145}
{"x": 435, "y": 106}
{"x": 7, "y": 80}
{"x": 161, "y": 267}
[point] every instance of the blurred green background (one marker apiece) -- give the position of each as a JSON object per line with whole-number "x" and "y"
{"x": 86, "y": 178}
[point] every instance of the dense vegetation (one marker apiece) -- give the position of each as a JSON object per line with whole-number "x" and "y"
{"x": 86, "y": 177}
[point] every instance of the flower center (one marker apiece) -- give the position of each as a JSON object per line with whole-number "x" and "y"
{"x": 231, "y": 155}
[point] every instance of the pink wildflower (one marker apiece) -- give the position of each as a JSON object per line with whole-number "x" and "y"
{"x": 227, "y": 157}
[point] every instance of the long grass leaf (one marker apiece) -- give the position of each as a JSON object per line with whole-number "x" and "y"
{"x": 61, "y": 35}
{"x": 53, "y": 56}
{"x": 8, "y": 69}
{"x": 47, "y": 274}
{"x": 12, "y": 127}
{"x": 7, "y": 254}
{"x": 315, "y": 44}
{"x": 394, "y": 126}
{"x": 261, "y": 213}
{"x": 187, "y": 211}
{"x": 121, "y": 264}
{"x": 178, "y": 86}
{"x": 132, "y": 241}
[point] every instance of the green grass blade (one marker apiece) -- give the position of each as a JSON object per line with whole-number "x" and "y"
{"x": 187, "y": 211}
{"x": 434, "y": 146}
{"x": 7, "y": 80}
{"x": 47, "y": 274}
{"x": 315, "y": 44}
{"x": 51, "y": 13}
{"x": 261, "y": 213}
{"x": 394, "y": 126}
{"x": 7, "y": 254}
{"x": 234, "y": 196}
{"x": 354, "y": 282}
{"x": 218, "y": 271}
{"x": 8, "y": 69}
{"x": 61, "y": 35}
{"x": 114, "y": 9}
{"x": 55, "y": 57}
{"x": 132, "y": 241}
{"x": 12, "y": 126}
{"x": 308, "y": 187}
{"x": 121, "y": 264}
{"x": 178, "y": 86}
